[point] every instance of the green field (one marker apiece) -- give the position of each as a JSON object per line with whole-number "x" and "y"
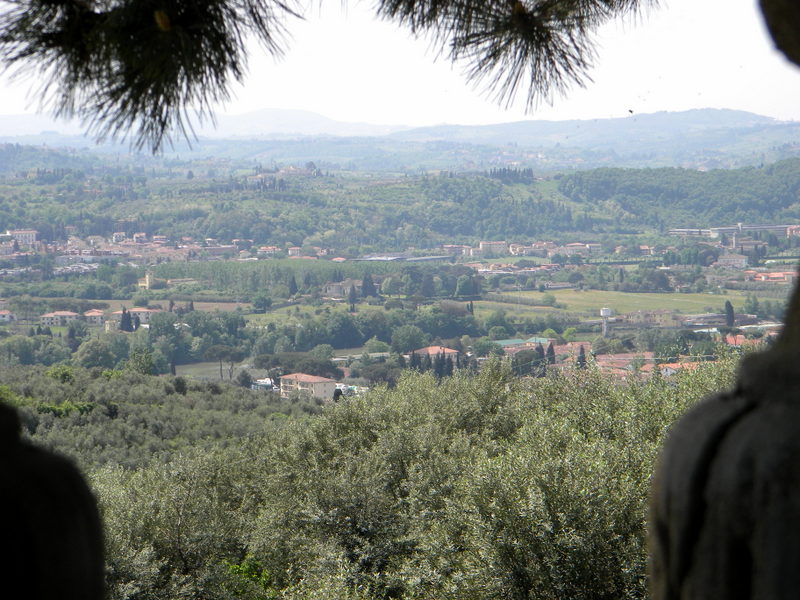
{"x": 580, "y": 304}
{"x": 483, "y": 308}
{"x": 590, "y": 302}
{"x": 299, "y": 312}
{"x": 209, "y": 371}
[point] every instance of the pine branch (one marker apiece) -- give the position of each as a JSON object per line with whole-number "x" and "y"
{"x": 544, "y": 45}
{"x": 137, "y": 65}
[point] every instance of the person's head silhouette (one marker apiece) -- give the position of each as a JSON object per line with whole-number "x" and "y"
{"x": 49, "y": 524}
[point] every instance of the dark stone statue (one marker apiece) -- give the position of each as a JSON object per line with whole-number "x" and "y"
{"x": 725, "y": 509}
{"x": 50, "y": 530}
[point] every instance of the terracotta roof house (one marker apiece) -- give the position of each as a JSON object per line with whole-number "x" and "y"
{"x": 301, "y": 383}
{"x": 732, "y": 261}
{"x": 144, "y": 314}
{"x": 435, "y": 351}
{"x": 510, "y": 342}
{"x": 94, "y": 316}
{"x": 341, "y": 289}
{"x": 668, "y": 369}
{"x": 58, "y": 318}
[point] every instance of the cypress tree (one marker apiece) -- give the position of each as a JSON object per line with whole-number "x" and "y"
{"x": 438, "y": 365}
{"x": 541, "y": 364}
{"x": 448, "y": 367}
{"x": 428, "y": 286}
{"x": 352, "y": 297}
{"x": 368, "y": 287}
{"x": 426, "y": 363}
{"x": 730, "y": 317}
{"x": 125, "y": 321}
{"x": 551, "y": 354}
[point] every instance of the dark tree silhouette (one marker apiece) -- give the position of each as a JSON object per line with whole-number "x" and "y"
{"x": 125, "y": 321}
{"x": 428, "y": 286}
{"x": 368, "y": 287}
{"x": 224, "y": 354}
{"x": 541, "y": 363}
{"x": 352, "y": 298}
{"x": 730, "y": 317}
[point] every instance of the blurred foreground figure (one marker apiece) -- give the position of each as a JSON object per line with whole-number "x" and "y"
{"x": 725, "y": 507}
{"x": 49, "y": 525}
{"x": 725, "y": 512}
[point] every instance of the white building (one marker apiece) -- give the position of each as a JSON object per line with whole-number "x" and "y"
{"x": 58, "y": 318}
{"x": 732, "y": 261}
{"x": 24, "y": 237}
{"x": 495, "y": 248}
{"x": 144, "y": 314}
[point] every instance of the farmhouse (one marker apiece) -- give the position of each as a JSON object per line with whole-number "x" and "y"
{"x": 340, "y": 289}
{"x": 94, "y": 316}
{"x": 58, "y": 318}
{"x": 318, "y": 387}
{"x": 435, "y": 351}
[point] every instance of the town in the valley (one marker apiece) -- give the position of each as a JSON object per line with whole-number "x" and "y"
{"x": 541, "y": 304}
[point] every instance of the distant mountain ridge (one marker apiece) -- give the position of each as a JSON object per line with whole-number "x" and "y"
{"x": 286, "y": 123}
{"x": 700, "y": 138}
{"x": 264, "y": 123}
{"x": 281, "y": 122}
{"x": 593, "y": 132}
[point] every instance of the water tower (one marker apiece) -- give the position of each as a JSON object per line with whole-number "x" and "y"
{"x": 605, "y": 313}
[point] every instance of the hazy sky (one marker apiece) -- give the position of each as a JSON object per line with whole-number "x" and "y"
{"x": 345, "y": 65}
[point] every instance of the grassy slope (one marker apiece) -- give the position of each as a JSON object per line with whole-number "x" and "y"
{"x": 591, "y": 301}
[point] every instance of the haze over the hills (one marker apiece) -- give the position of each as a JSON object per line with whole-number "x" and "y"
{"x": 261, "y": 123}
{"x": 699, "y": 138}
{"x": 281, "y": 123}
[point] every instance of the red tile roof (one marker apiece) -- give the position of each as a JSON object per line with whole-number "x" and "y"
{"x": 307, "y": 378}
{"x": 434, "y": 350}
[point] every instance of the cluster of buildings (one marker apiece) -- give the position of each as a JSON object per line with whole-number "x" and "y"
{"x": 504, "y": 248}
{"x": 292, "y": 252}
{"x": 19, "y": 244}
{"x": 739, "y": 229}
{"x": 565, "y": 356}
{"x": 544, "y": 249}
{"x": 771, "y": 276}
{"x": 141, "y": 248}
{"x": 109, "y": 320}
{"x": 294, "y": 384}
